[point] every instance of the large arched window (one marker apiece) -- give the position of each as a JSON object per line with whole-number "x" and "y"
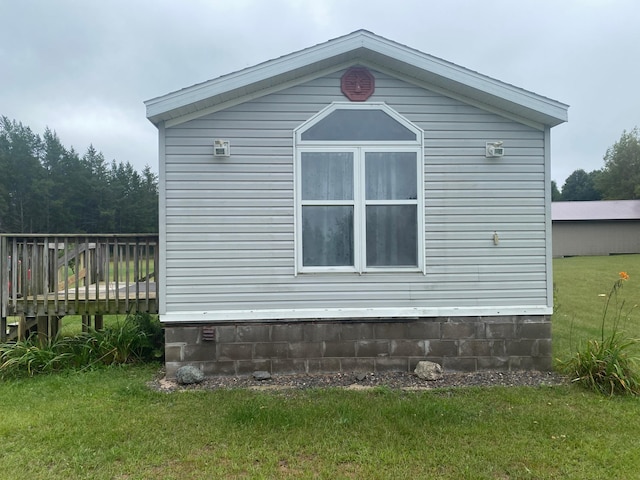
{"x": 359, "y": 191}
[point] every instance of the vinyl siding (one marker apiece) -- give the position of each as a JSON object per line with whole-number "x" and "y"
{"x": 230, "y": 222}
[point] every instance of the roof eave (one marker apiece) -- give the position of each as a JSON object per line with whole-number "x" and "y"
{"x": 366, "y": 47}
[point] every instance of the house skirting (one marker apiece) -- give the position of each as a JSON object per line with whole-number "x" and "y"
{"x": 369, "y": 345}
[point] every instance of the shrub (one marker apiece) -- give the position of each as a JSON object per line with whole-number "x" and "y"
{"x": 607, "y": 366}
{"x": 151, "y": 345}
{"x": 139, "y": 338}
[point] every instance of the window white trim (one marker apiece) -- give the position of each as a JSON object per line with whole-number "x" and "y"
{"x": 358, "y": 149}
{"x": 300, "y": 203}
{"x": 322, "y": 114}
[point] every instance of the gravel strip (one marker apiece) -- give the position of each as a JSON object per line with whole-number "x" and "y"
{"x": 356, "y": 381}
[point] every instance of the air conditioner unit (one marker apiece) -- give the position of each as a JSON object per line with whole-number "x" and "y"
{"x": 221, "y": 148}
{"x": 494, "y": 150}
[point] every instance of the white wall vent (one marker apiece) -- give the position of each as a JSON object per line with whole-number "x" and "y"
{"x": 221, "y": 148}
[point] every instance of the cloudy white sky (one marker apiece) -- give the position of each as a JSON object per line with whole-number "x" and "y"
{"x": 83, "y": 68}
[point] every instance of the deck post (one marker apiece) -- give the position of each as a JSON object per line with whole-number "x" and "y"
{"x": 4, "y": 277}
{"x": 43, "y": 329}
{"x": 99, "y": 322}
{"x": 22, "y": 328}
{"x": 86, "y": 323}
{"x": 3, "y": 329}
{"x": 54, "y": 326}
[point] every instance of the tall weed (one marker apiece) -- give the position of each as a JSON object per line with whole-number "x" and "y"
{"x": 28, "y": 358}
{"x": 606, "y": 365}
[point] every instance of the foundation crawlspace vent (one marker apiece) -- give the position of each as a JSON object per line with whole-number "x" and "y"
{"x": 208, "y": 334}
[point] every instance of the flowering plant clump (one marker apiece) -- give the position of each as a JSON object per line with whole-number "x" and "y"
{"x": 606, "y": 365}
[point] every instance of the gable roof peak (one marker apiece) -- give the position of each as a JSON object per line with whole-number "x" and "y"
{"x": 365, "y": 48}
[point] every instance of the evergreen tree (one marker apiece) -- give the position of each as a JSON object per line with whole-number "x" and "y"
{"x": 20, "y": 176}
{"x": 556, "y": 196}
{"x": 148, "y": 201}
{"x": 98, "y": 213}
{"x": 63, "y": 186}
{"x": 47, "y": 188}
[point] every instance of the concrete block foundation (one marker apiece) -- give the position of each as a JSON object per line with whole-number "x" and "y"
{"x": 367, "y": 345}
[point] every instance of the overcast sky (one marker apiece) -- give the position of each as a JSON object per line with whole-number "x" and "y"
{"x": 83, "y": 68}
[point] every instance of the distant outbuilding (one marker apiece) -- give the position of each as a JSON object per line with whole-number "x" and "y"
{"x": 606, "y": 227}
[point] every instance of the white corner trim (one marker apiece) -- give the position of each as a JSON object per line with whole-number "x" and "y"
{"x": 346, "y": 313}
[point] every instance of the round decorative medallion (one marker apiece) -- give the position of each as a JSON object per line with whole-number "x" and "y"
{"x": 357, "y": 84}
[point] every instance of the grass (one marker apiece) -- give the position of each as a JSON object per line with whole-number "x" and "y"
{"x": 582, "y": 284}
{"x": 72, "y": 324}
{"x": 107, "y": 424}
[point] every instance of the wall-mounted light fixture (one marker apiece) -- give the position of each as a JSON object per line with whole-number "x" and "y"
{"x": 221, "y": 148}
{"x": 494, "y": 149}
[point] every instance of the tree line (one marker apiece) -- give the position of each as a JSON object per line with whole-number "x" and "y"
{"x": 48, "y": 188}
{"x": 618, "y": 179}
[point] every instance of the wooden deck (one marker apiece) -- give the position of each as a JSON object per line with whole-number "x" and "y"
{"x": 50, "y": 276}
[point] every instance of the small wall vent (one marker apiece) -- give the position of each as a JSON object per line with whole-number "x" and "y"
{"x": 208, "y": 334}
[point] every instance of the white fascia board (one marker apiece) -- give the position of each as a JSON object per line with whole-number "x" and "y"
{"x": 421, "y": 65}
{"x": 252, "y": 96}
{"x": 538, "y": 124}
{"x": 471, "y": 84}
{"x": 249, "y": 76}
{"x": 346, "y": 313}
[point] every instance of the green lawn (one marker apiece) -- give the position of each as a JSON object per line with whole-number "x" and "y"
{"x": 107, "y": 424}
{"x": 582, "y": 284}
{"x": 72, "y": 324}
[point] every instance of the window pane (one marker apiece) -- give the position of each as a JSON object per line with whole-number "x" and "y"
{"x": 348, "y": 124}
{"x": 327, "y": 175}
{"x": 391, "y": 175}
{"x": 392, "y": 235}
{"x": 327, "y": 236}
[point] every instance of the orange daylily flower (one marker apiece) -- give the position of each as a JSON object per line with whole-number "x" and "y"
{"x": 624, "y": 276}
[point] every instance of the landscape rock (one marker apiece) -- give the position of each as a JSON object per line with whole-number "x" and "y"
{"x": 428, "y": 370}
{"x": 261, "y": 375}
{"x": 361, "y": 376}
{"x": 188, "y": 375}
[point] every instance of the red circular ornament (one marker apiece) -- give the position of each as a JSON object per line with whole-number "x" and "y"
{"x": 357, "y": 84}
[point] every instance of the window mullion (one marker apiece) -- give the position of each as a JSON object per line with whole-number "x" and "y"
{"x": 359, "y": 212}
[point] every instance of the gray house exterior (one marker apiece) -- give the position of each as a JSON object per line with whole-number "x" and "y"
{"x": 607, "y": 227}
{"x": 378, "y": 206}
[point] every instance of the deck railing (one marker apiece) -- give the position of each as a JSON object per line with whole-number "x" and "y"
{"x": 57, "y": 275}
